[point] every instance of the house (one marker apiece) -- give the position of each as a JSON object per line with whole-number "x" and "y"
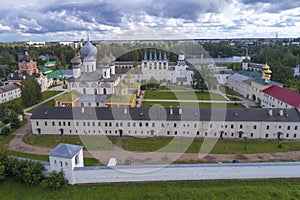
{"x": 168, "y": 122}
{"x": 9, "y": 92}
{"x": 278, "y": 97}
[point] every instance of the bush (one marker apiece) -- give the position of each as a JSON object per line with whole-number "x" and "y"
{"x": 2, "y": 172}
{"x": 5, "y": 131}
{"x": 56, "y": 180}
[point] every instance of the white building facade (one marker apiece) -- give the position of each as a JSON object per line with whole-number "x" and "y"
{"x": 235, "y": 123}
{"x": 9, "y": 92}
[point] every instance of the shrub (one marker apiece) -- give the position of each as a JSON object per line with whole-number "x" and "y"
{"x": 2, "y": 172}
{"x": 56, "y": 180}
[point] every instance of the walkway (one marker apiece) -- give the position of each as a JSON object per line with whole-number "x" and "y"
{"x": 46, "y": 100}
{"x": 17, "y": 144}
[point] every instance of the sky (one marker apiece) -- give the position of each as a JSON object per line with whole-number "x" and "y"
{"x": 70, "y": 20}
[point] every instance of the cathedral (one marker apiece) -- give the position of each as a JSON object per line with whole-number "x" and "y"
{"x": 97, "y": 87}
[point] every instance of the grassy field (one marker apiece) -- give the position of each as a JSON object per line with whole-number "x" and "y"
{"x": 197, "y": 95}
{"x": 48, "y": 103}
{"x": 147, "y": 104}
{"x": 45, "y": 95}
{"x": 177, "y": 145}
{"x": 10, "y": 189}
{"x": 90, "y": 142}
{"x": 221, "y": 147}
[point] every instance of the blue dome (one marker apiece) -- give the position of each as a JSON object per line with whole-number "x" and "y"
{"x": 88, "y": 49}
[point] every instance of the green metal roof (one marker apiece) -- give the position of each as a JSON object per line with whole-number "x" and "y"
{"x": 56, "y": 74}
{"x": 46, "y": 70}
{"x": 256, "y": 77}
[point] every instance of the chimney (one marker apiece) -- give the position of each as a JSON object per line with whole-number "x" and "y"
{"x": 180, "y": 111}
{"x": 270, "y": 112}
{"x": 281, "y": 112}
{"x": 82, "y": 110}
{"x": 171, "y": 110}
{"x": 125, "y": 110}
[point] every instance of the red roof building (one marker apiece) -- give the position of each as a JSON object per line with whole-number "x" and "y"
{"x": 277, "y": 97}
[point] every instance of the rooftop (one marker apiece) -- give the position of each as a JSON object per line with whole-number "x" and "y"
{"x": 65, "y": 150}
{"x": 9, "y": 87}
{"x": 257, "y": 78}
{"x": 285, "y": 95}
{"x": 159, "y": 113}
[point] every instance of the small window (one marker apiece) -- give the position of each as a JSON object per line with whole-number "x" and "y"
{"x": 232, "y": 134}
{"x": 59, "y": 123}
{"x": 295, "y": 135}
{"x": 46, "y": 123}
{"x": 168, "y": 132}
{"x": 289, "y": 127}
{"x": 69, "y": 123}
{"x": 267, "y": 135}
{"x": 66, "y": 164}
{"x": 198, "y": 132}
{"x": 241, "y": 126}
{"x": 254, "y": 127}
{"x": 175, "y": 125}
{"x": 268, "y": 127}
{"x": 141, "y": 124}
{"x": 175, "y": 132}
{"x": 64, "y": 123}
{"x": 53, "y": 123}
{"x": 287, "y": 135}
{"x": 231, "y": 126}
{"x": 251, "y": 135}
{"x": 296, "y": 127}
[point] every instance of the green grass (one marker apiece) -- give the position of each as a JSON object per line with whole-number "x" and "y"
{"x": 11, "y": 189}
{"x": 89, "y": 142}
{"x": 188, "y": 95}
{"x": 221, "y": 147}
{"x": 147, "y": 104}
{"x": 48, "y": 94}
{"x": 4, "y": 140}
{"x": 48, "y": 103}
{"x": 154, "y": 144}
{"x": 87, "y": 161}
{"x": 45, "y": 95}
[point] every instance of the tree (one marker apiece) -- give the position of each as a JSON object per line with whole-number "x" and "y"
{"x": 14, "y": 120}
{"x": 56, "y": 180}
{"x": 30, "y": 91}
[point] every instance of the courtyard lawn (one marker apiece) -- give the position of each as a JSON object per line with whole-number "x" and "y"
{"x": 221, "y": 147}
{"x": 89, "y": 142}
{"x": 45, "y": 95}
{"x": 188, "y": 95}
{"x": 147, "y": 104}
{"x": 256, "y": 189}
{"x": 48, "y": 103}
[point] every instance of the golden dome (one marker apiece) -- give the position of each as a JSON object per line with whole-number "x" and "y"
{"x": 265, "y": 67}
{"x": 268, "y": 71}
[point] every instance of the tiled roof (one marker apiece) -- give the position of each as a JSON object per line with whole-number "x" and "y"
{"x": 65, "y": 150}
{"x": 285, "y": 95}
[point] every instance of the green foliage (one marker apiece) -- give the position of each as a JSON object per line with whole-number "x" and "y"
{"x": 5, "y": 131}
{"x": 203, "y": 79}
{"x": 30, "y": 91}
{"x": 56, "y": 180}
{"x": 32, "y": 173}
{"x": 2, "y": 172}
{"x": 14, "y": 120}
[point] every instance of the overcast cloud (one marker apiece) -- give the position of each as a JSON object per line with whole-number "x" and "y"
{"x": 55, "y": 20}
